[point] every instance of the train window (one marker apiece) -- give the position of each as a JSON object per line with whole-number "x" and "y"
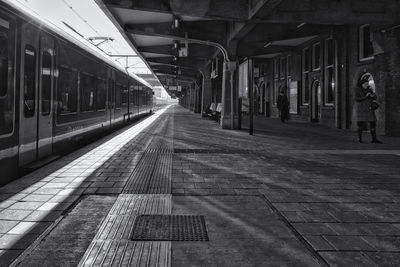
{"x": 131, "y": 95}
{"x": 118, "y": 92}
{"x": 87, "y": 92}
{"x": 101, "y": 94}
{"x": 29, "y": 81}
{"x": 137, "y": 96}
{"x": 46, "y": 82}
{"x": 3, "y": 63}
{"x": 6, "y": 99}
{"x": 67, "y": 91}
{"x": 124, "y": 96}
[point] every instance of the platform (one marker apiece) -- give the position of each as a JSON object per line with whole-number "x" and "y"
{"x": 176, "y": 190}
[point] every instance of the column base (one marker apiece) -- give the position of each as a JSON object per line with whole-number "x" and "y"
{"x": 226, "y": 122}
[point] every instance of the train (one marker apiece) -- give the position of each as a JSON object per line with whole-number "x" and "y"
{"x": 55, "y": 92}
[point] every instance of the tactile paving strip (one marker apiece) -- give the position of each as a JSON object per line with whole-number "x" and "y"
{"x": 210, "y": 151}
{"x": 169, "y": 228}
{"x": 128, "y": 204}
{"x": 120, "y": 221}
{"x": 127, "y": 253}
{"x": 153, "y": 173}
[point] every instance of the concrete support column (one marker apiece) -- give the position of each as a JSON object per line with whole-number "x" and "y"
{"x": 189, "y": 98}
{"x": 229, "y": 115}
{"x": 206, "y": 90}
{"x": 197, "y": 102}
{"x": 193, "y": 98}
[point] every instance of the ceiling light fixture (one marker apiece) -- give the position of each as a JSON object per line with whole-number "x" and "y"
{"x": 301, "y": 25}
{"x": 268, "y": 44}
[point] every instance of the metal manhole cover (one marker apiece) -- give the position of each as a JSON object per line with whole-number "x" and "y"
{"x": 169, "y": 228}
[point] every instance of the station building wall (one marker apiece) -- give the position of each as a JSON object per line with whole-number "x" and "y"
{"x": 336, "y": 108}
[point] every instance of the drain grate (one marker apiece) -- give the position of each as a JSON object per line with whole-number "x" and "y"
{"x": 169, "y": 228}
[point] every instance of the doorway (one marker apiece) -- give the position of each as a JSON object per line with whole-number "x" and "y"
{"x": 316, "y": 101}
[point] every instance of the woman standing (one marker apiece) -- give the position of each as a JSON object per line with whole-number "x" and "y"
{"x": 283, "y": 105}
{"x": 364, "y": 95}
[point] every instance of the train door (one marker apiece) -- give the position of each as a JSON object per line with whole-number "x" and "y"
{"x": 111, "y": 100}
{"x": 35, "y": 136}
{"x": 28, "y": 95}
{"x": 45, "y": 115}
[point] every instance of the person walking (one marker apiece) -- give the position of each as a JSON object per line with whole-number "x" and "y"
{"x": 283, "y": 106}
{"x": 364, "y": 96}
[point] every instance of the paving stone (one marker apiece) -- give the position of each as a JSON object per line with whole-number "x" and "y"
{"x": 37, "y": 198}
{"x": 349, "y": 243}
{"x": 43, "y": 216}
{"x": 384, "y": 243}
{"x": 318, "y": 242}
{"x": 314, "y": 229}
{"x": 347, "y": 259}
{"x": 6, "y": 226}
{"x": 26, "y": 205}
{"x": 9, "y": 214}
{"x": 29, "y": 228}
{"x": 384, "y": 229}
{"x": 11, "y": 241}
{"x": 384, "y": 259}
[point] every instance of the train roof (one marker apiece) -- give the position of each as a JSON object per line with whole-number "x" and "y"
{"x": 42, "y": 23}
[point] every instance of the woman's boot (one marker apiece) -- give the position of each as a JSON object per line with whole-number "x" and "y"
{"x": 374, "y": 139}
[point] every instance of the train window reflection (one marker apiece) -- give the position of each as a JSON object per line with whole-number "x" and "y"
{"x": 3, "y": 63}
{"x": 29, "y": 81}
{"x": 124, "y": 97}
{"x": 87, "y": 92}
{"x": 118, "y": 95}
{"x": 46, "y": 82}
{"x": 6, "y": 99}
{"x": 67, "y": 91}
{"x": 101, "y": 94}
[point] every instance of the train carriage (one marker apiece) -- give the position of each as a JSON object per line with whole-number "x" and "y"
{"x": 55, "y": 91}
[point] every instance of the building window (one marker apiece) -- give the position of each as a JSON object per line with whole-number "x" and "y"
{"x": 29, "y": 81}
{"x": 243, "y": 79}
{"x": 276, "y": 69}
{"x": 306, "y": 67}
{"x": 289, "y": 65}
{"x": 366, "y": 49}
{"x": 316, "y": 57}
{"x": 282, "y": 71}
{"x": 330, "y": 72}
{"x": 275, "y": 91}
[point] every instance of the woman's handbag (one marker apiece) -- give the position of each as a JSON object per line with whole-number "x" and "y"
{"x": 374, "y": 105}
